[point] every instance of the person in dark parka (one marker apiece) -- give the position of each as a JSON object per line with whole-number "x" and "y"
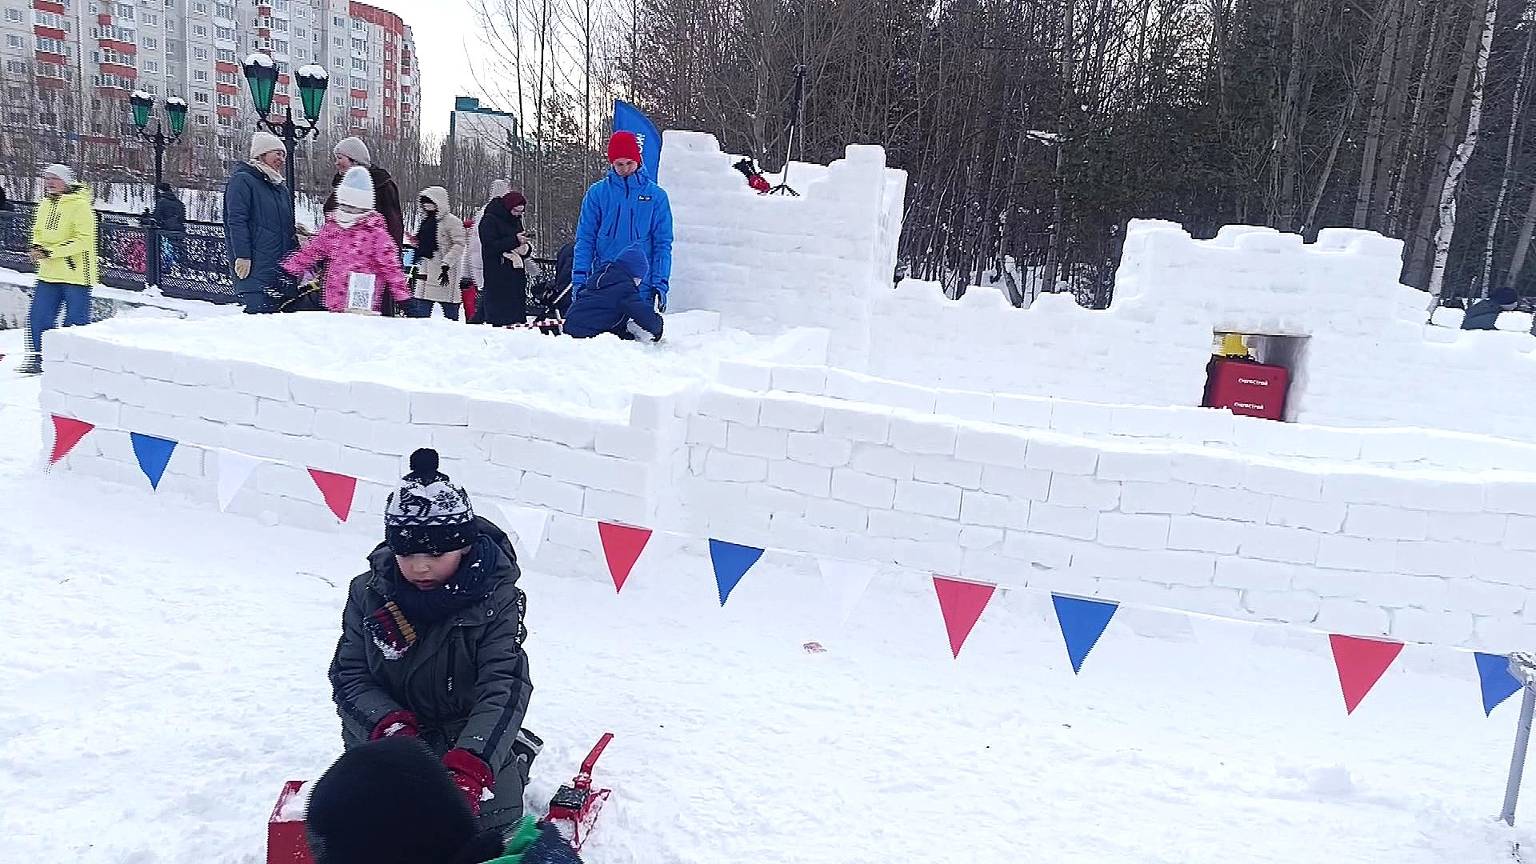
{"x": 431, "y": 643}
{"x": 170, "y": 214}
{"x": 350, "y": 152}
{"x": 504, "y": 248}
{"x": 258, "y": 223}
{"x": 1484, "y": 314}
{"x": 608, "y": 302}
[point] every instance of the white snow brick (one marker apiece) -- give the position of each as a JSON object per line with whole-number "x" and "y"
{"x": 488, "y": 415}
{"x": 936, "y": 556}
{"x": 775, "y": 501}
{"x": 1040, "y": 550}
{"x": 1352, "y": 617}
{"x": 898, "y": 394}
{"x": 1326, "y": 517}
{"x": 1235, "y": 504}
{"x": 1520, "y": 533}
{"x": 839, "y": 515}
{"x": 262, "y": 381}
{"x": 1079, "y": 418}
{"x": 571, "y": 430}
{"x": 1031, "y": 412}
{"x": 1518, "y": 498}
{"x": 147, "y": 421}
{"x": 230, "y": 406}
{"x": 1199, "y": 534}
{"x": 1357, "y": 553}
{"x": 1061, "y": 458}
{"x": 976, "y": 537}
{"x": 929, "y": 499}
{"x": 804, "y": 479}
{"x": 1203, "y": 470}
{"x": 808, "y": 380}
{"x": 913, "y": 526}
{"x": 1141, "y": 467}
{"x": 1505, "y": 566}
{"x": 615, "y": 507}
{"x": 1190, "y": 569}
{"x": 1432, "y": 558}
{"x": 347, "y": 429}
{"x": 542, "y": 491}
{"x": 1283, "y": 482}
{"x": 922, "y": 435}
{"x": 1488, "y": 598}
{"x": 1261, "y": 575}
{"x": 720, "y": 465}
{"x": 652, "y": 411}
{"x": 1133, "y": 532}
{"x": 706, "y": 430}
{"x": 1170, "y": 498}
{"x": 1277, "y": 543}
{"x": 858, "y": 423}
{"x": 366, "y": 464}
{"x": 321, "y": 393}
{"x": 285, "y": 417}
{"x": 757, "y": 441}
{"x": 964, "y": 405}
{"x": 374, "y": 401}
{"x": 752, "y": 377}
{"x": 1016, "y": 482}
{"x": 1292, "y": 607}
{"x": 1386, "y": 523}
{"x": 627, "y": 442}
{"x": 950, "y": 472}
{"x": 1433, "y": 627}
{"x": 991, "y": 446}
{"x": 1468, "y": 527}
{"x": 883, "y": 461}
{"x": 1080, "y": 523}
{"x": 856, "y": 487}
{"x": 819, "y": 449}
{"x": 1073, "y": 490}
{"x": 733, "y": 405}
{"x": 458, "y": 444}
{"x": 797, "y": 415}
{"x": 981, "y": 508}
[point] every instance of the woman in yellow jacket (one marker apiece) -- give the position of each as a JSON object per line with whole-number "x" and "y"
{"x": 64, "y": 250}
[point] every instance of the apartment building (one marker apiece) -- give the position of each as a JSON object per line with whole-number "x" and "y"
{"x": 74, "y": 62}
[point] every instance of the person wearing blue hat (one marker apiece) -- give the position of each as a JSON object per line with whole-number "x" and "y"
{"x": 607, "y": 303}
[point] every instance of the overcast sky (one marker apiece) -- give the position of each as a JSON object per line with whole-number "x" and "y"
{"x": 444, "y": 31}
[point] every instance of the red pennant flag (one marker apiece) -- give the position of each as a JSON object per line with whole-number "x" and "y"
{"x": 961, "y": 603}
{"x": 1361, "y": 663}
{"x": 67, "y": 432}
{"x": 622, "y": 545}
{"x": 338, "y": 490}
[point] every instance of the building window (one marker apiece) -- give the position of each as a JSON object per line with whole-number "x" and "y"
{"x": 16, "y": 67}
{"x": 224, "y": 10}
{"x": 360, "y": 45}
{"x": 202, "y": 119}
{"x": 152, "y": 67}
{"x": 226, "y": 55}
{"x": 226, "y": 100}
{"x": 12, "y": 41}
{"x": 225, "y": 33}
{"x": 200, "y": 97}
{"x": 53, "y": 46}
{"x": 174, "y": 46}
{"x": 357, "y": 24}
{"x": 151, "y": 19}
{"x": 200, "y": 8}
{"x": 300, "y": 32}
{"x": 338, "y": 21}
{"x": 200, "y": 75}
{"x": 151, "y": 43}
{"x": 340, "y": 43}
{"x": 359, "y": 64}
{"x": 280, "y": 46}
{"x": 200, "y": 31}
{"x": 170, "y": 4}
{"x": 224, "y": 121}
{"x": 280, "y": 25}
{"x": 107, "y": 55}
{"x": 228, "y": 78}
{"x": 200, "y": 54}
{"x": 124, "y": 11}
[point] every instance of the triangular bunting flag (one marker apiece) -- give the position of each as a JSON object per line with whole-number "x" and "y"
{"x": 1497, "y": 683}
{"x": 528, "y": 523}
{"x": 846, "y": 581}
{"x": 234, "y": 470}
{"x": 732, "y": 561}
{"x": 622, "y": 545}
{"x": 961, "y": 604}
{"x": 1082, "y": 623}
{"x": 337, "y": 489}
{"x": 153, "y": 455}
{"x": 67, "y": 432}
{"x": 1361, "y": 663}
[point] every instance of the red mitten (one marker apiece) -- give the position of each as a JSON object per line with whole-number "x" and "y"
{"x": 396, "y": 723}
{"x": 471, "y": 775}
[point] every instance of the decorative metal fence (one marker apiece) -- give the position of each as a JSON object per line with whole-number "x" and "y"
{"x": 134, "y": 255}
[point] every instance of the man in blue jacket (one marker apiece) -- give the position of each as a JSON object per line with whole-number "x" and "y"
{"x": 621, "y": 210}
{"x": 258, "y": 223}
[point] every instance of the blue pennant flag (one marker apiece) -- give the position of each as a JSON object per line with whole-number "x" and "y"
{"x": 153, "y": 454}
{"x": 1082, "y": 623}
{"x": 731, "y": 563}
{"x": 628, "y": 118}
{"x": 1498, "y": 684}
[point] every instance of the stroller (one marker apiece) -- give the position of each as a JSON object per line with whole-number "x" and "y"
{"x": 548, "y": 301}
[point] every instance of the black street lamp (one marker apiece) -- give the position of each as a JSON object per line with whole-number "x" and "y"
{"x": 143, "y": 105}
{"x": 261, "y": 79}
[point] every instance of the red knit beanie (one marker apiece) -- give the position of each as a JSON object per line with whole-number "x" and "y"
{"x": 623, "y": 145}
{"x": 514, "y": 199}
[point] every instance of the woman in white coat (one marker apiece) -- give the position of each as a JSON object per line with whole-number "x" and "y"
{"x": 439, "y": 256}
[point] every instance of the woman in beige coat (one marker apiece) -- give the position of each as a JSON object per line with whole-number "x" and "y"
{"x": 439, "y": 256}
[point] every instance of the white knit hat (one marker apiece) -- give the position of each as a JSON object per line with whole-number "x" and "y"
{"x": 356, "y": 188}
{"x": 263, "y": 143}
{"x": 60, "y": 172}
{"x": 500, "y": 188}
{"x": 353, "y": 148}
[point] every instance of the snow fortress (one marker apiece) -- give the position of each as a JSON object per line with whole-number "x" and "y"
{"x": 807, "y": 407}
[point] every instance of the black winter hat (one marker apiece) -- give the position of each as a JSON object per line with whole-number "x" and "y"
{"x": 428, "y": 515}
{"x": 391, "y": 802}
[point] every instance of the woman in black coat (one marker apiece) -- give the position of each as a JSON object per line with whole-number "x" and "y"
{"x": 503, "y": 249}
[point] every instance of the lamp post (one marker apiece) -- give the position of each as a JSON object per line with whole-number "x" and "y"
{"x": 143, "y": 105}
{"x": 261, "y": 79}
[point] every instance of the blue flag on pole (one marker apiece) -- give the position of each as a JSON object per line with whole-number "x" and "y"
{"x": 731, "y": 563}
{"x": 153, "y": 455}
{"x": 1497, "y": 683}
{"x": 628, "y": 118}
{"x": 1082, "y": 623}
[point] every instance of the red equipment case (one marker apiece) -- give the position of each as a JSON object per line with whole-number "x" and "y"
{"x": 1248, "y": 388}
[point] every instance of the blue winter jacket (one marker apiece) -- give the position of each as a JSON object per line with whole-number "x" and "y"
{"x": 258, "y": 225}
{"x": 608, "y": 300}
{"x": 617, "y": 213}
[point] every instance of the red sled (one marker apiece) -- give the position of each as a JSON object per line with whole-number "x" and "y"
{"x": 286, "y": 839}
{"x": 574, "y": 808}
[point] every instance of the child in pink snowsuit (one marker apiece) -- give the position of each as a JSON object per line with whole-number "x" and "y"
{"x": 354, "y": 239}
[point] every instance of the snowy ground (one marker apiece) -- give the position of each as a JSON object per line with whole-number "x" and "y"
{"x": 165, "y": 673}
